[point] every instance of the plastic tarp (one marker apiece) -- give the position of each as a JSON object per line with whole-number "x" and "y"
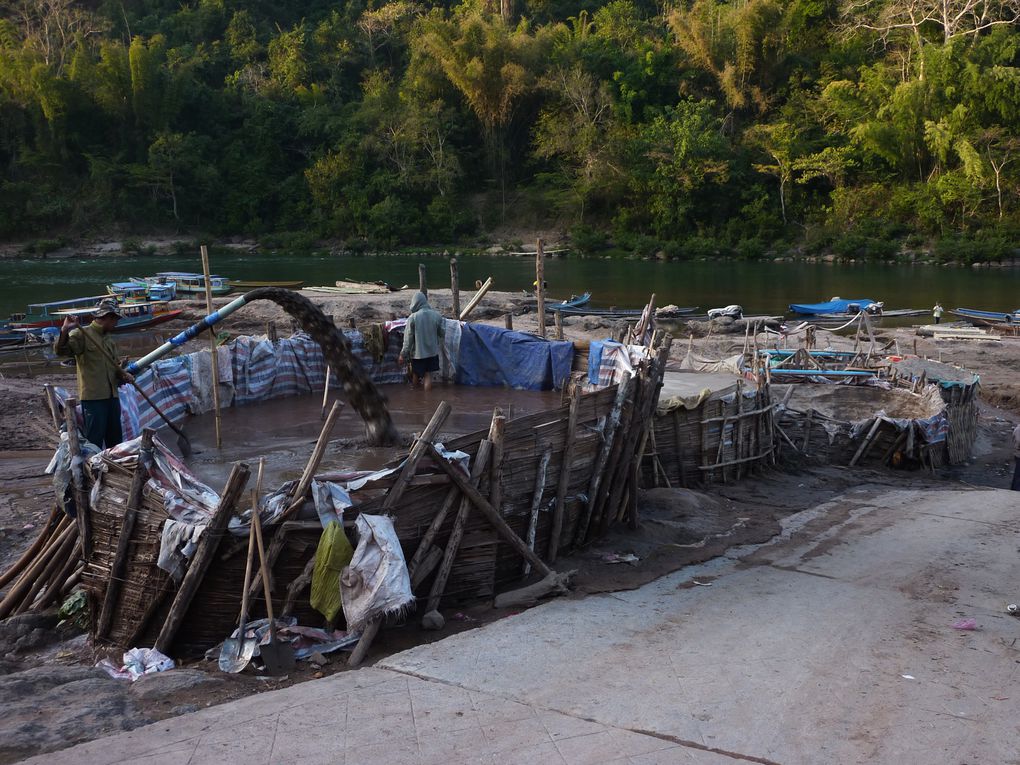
{"x": 837, "y": 305}
{"x": 491, "y": 356}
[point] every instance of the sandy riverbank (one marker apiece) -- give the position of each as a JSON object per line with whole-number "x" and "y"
{"x": 70, "y": 703}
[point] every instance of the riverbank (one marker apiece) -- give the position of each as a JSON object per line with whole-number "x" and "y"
{"x": 557, "y": 244}
{"x": 47, "y": 671}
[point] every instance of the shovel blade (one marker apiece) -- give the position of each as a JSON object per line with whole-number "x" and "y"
{"x": 278, "y": 657}
{"x": 236, "y": 653}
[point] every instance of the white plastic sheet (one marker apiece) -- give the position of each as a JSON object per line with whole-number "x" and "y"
{"x": 376, "y": 583}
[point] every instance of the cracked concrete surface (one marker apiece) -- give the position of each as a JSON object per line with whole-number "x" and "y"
{"x": 833, "y": 643}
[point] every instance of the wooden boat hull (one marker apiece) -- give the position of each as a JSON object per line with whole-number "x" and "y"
{"x": 622, "y": 313}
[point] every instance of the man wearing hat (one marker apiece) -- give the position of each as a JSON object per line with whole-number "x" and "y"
{"x": 99, "y": 376}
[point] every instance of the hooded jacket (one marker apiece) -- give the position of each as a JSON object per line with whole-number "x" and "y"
{"x": 424, "y": 328}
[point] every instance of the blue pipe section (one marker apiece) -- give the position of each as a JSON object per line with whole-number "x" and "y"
{"x": 189, "y": 334}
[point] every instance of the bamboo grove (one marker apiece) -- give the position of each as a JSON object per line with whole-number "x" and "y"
{"x": 695, "y": 127}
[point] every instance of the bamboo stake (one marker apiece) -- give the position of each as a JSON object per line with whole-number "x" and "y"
{"x": 55, "y": 564}
{"x": 536, "y": 503}
{"x": 491, "y": 514}
{"x": 540, "y": 284}
{"x": 81, "y": 496}
{"x": 422, "y": 445}
{"x": 473, "y": 303}
{"x": 17, "y": 593}
{"x": 212, "y": 345}
{"x": 563, "y": 485}
{"x": 325, "y": 392}
{"x": 430, "y": 621}
{"x": 508, "y": 320}
{"x": 455, "y": 287}
{"x": 496, "y": 430}
{"x": 558, "y": 324}
{"x": 127, "y": 527}
{"x": 52, "y": 592}
{"x": 297, "y": 497}
{"x": 866, "y": 444}
{"x": 54, "y": 406}
{"x": 203, "y": 556}
{"x": 45, "y": 534}
{"x": 422, "y": 285}
{"x": 608, "y": 433}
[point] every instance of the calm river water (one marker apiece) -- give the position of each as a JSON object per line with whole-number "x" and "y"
{"x": 760, "y": 287}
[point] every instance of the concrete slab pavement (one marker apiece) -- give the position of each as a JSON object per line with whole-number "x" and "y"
{"x": 798, "y": 652}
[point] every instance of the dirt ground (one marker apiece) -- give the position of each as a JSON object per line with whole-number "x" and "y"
{"x": 55, "y": 697}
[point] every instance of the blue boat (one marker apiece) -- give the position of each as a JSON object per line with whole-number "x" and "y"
{"x": 576, "y": 301}
{"x": 988, "y": 316}
{"x": 138, "y": 291}
{"x": 836, "y": 306}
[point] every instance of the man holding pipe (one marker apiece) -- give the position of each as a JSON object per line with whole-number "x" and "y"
{"x": 94, "y": 353}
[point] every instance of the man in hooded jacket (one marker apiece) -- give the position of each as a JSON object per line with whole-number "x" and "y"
{"x": 422, "y": 334}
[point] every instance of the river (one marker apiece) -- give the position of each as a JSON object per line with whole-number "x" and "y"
{"x": 760, "y": 287}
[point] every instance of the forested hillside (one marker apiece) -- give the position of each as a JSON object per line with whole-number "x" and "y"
{"x": 692, "y": 127}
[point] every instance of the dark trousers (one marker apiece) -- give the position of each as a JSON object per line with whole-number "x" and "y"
{"x": 1016, "y": 475}
{"x": 938, "y": 319}
{"x": 102, "y": 422}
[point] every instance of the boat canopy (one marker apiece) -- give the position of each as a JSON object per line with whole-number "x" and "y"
{"x": 72, "y": 302}
{"x": 836, "y": 305}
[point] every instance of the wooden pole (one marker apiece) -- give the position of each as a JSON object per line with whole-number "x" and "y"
{"x": 508, "y": 320}
{"x": 56, "y": 563}
{"x": 455, "y": 287}
{"x": 127, "y": 527}
{"x": 456, "y": 534}
{"x": 491, "y": 514}
{"x": 608, "y": 431}
{"x": 54, "y": 405}
{"x": 540, "y": 284}
{"x": 200, "y": 563}
{"x": 558, "y": 324}
{"x": 476, "y": 299}
{"x": 496, "y": 430}
{"x": 28, "y": 557}
{"x": 563, "y": 485}
{"x": 422, "y": 285}
{"x": 212, "y": 345}
{"x": 297, "y": 497}
{"x": 422, "y": 445}
{"x": 81, "y": 496}
{"x": 536, "y": 503}
{"x": 325, "y": 391}
{"x": 16, "y": 594}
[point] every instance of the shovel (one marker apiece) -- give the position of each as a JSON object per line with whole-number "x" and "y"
{"x": 237, "y": 652}
{"x": 278, "y": 657}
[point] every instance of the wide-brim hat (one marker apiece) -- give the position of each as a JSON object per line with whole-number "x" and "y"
{"x": 107, "y": 308}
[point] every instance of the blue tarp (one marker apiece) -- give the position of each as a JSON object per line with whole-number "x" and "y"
{"x": 491, "y": 356}
{"x": 831, "y": 306}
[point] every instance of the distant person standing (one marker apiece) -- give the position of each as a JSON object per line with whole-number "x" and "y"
{"x": 937, "y": 312}
{"x": 99, "y": 376}
{"x": 422, "y": 334}
{"x": 1016, "y": 459}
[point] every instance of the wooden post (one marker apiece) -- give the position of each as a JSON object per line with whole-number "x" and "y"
{"x": 297, "y": 497}
{"x": 491, "y": 514}
{"x": 456, "y": 534}
{"x": 608, "y": 431}
{"x": 422, "y": 445}
{"x": 203, "y": 556}
{"x": 486, "y": 286}
{"x": 127, "y": 527}
{"x": 212, "y": 345}
{"x": 54, "y": 405}
{"x": 81, "y": 496}
{"x": 496, "y": 430}
{"x": 536, "y": 503}
{"x": 558, "y": 323}
{"x": 325, "y": 391}
{"x": 455, "y": 287}
{"x": 540, "y": 284}
{"x": 422, "y": 286}
{"x": 508, "y": 320}
{"x": 563, "y": 485}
